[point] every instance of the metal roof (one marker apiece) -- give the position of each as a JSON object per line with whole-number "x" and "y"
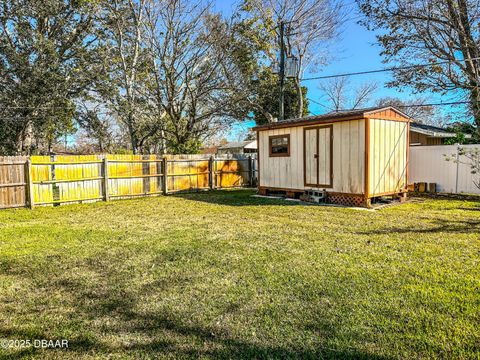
{"x": 429, "y": 130}
{"x": 239, "y": 144}
{"x": 337, "y": 116}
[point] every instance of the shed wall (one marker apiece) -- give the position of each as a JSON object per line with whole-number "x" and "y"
{"x": 388, "y": 156}
{"x": 288, "y": 172}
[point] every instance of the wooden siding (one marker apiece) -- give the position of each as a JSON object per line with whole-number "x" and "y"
{"x": 288, "y": 172}
{"x": 318, "y": 156}
{"x": 422, "y": 139}
{"x": 324, "y": 154}
{"x": 387, "y": 114}
{"x": 434, "y": 141}
{"x": 388, "y": 157}
{"x": 311, "y": 164}
{"x": 349, "y": 157}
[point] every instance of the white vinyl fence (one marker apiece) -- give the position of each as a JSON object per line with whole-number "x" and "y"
{"x": 428, "y": 164}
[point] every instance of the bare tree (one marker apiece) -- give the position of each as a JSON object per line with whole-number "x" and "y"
{"x": 335, "y": 92}
{"x": 444, "y": 33}
{"x": 310, "y": 26}
{"x": 189, "y": 82}
{"x": 129, "y": 65}
{"x": 342, "y": 96}
{"x": 417, "y": 108}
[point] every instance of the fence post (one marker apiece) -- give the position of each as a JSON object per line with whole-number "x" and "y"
{"x": 250, "y": 171}
{"x": 29, "y": 183}
{"x": 165, "y": 175}
{"x": 55, "y": 187}
{"x": 211, "y": 172}
{"x": 106, "y": 191}
{"x": 456, "y": 170}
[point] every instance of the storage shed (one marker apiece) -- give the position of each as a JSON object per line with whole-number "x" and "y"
{"x": 349, "y": 156}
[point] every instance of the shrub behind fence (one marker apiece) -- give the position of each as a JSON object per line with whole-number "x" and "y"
{"x": 60, "y": 179}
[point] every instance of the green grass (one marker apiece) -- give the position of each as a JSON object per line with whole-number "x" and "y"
{"x": 224, "y": 274}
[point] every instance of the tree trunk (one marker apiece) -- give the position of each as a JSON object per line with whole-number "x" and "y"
{"x": 131, "y": 131}
{"x": 24, "y": 139}
{"x": 475, "y": 106}
{"x": 299, "y": 97}
{"x": 163, "y": 143}
{"x": 133, "y": 141}
{"x": 19, "y": 143}
{"x": 298, "y": 85}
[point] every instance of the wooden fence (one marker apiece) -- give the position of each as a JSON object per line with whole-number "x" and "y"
{"x": 13, "y": 181}
{"x": 61, "y": 179}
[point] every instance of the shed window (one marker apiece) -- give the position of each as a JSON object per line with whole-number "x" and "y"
{"x": 279, "y": 145}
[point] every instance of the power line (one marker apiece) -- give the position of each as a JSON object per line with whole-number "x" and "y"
{"x": 25, "y": 107}
{"x": 437, "y": 104}
{"x": 385, "y": 69}
{"x": 410, "y": 105}
{"x": 317, "y": 102}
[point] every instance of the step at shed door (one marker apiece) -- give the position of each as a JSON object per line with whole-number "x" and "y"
{"x": 318, "y": 156}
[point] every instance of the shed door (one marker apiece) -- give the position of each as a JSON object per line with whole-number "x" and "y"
{"x": 318, "y": 155}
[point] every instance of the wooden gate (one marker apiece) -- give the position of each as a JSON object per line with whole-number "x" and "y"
{"x": 13, "y": 181}
{"x": 318, "y": 156}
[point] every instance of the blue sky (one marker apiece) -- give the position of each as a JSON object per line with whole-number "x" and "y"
{"x": 355, "y": 50}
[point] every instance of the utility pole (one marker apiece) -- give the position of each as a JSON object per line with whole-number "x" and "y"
{"x": 282, "y": 73}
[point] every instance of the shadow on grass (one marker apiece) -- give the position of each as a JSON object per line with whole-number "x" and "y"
{"x": 474, "y": 208}
{"x": 235, "y": 198}
{"x": 110, "y": 308}
{"x": 439, "y": 226}
{"x": 220, "y": 346}
{"x": 30, "y": 333}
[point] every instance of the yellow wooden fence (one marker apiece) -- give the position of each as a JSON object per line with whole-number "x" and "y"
{"x": 63, "y": 179}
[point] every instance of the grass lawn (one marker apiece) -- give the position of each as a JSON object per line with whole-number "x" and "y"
{"x": 224, "y": 274}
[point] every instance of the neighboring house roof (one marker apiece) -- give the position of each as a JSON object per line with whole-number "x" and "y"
{"x": 336, "y": 116}
{"x": 432, "y": 131}
{"x": 209, "y": 150}
{"x": 251, "y": 144}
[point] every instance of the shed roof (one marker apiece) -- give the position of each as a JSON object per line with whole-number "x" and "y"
{"x": 337, "y": 116}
